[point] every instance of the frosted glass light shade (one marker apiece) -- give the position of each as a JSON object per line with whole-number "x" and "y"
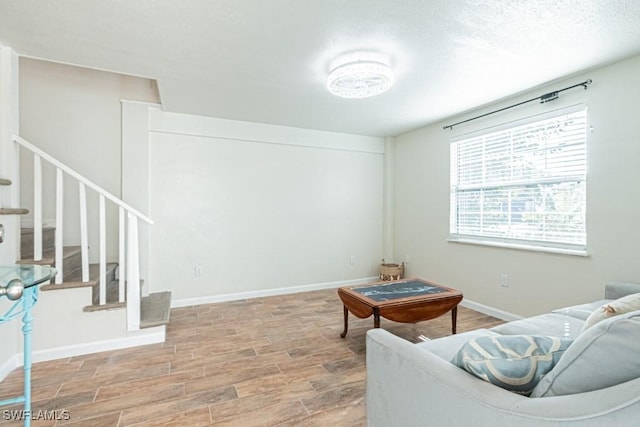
{"x": 360, "y": 79}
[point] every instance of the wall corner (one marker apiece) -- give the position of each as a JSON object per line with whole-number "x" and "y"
{"x": 388, "y": 203}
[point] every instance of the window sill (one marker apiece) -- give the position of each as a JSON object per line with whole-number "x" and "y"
{"x": 519, "y": 246}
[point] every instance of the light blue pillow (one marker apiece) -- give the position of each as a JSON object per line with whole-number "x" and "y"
{"x": 604, "y": 355}
{"x": 514, "y": 362}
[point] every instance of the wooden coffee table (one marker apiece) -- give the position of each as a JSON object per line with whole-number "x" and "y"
{"x": 406, "y": 301}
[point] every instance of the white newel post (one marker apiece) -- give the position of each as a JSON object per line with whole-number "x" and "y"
{"x": 103, "y": 252}
{"x": 122, "y": 252}
{"x": 133, "y": 275}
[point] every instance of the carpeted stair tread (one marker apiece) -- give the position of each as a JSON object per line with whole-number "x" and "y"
{"x": 94, "y": 273}
{"x": 48, "y": 256}
{"x": 14, "y": 211}
{"x": 26, "y": 241}
{"x": 74, "y": 280}
{"x": 113, "y": 290}
{"x": 107, "y": 306}
{"x": 155, "y": 309}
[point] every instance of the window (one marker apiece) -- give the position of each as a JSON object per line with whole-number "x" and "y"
{"x": 522, "y": 184}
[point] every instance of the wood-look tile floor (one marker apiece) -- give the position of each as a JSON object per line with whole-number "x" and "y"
{"x": 275, "y": 361}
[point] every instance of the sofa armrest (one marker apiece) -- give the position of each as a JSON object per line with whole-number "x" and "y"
{"x": 409, "y": 386}
{"x": 615, "y": 290}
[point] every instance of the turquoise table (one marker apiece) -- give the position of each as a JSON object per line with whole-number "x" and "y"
{"x": 19, "y": 283}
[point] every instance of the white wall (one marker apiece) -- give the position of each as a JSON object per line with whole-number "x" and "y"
{"x": 9, "y": 196}
{"x": 538, "y": 281}
{"x": 62, "y": 329}
{"x": 9, "y": 340}
{"x": 260, "y": 207}
{"x": 74, "y": 114}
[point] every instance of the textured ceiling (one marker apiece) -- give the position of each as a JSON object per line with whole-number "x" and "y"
{"x": 267, "y": 60}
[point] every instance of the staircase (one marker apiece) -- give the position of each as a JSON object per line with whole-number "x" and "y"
{"x": 72, "y": 267}
{"x": 112, "y": 286}
{"x": 155, "y": 307}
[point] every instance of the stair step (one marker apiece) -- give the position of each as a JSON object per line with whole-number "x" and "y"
{"x": 113, "y": 291}
{"x": 74, "y": 280}
{"x": 94, "y": 273}
{"x": 108, "y": 306}
{"x": 14, "y": 211}
{"x": 4, "y": 181}
{"x": 155, "y": 309}
{"x": 71, "y": 259}
{"x": 66, "y": 285}
{"x": 26, "y": 240}
{"x": 113, "y": 297}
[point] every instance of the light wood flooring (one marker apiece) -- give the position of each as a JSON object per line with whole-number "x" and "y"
{"x": 276, "y": 361}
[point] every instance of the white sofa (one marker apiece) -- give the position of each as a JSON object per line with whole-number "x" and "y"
{"x": 417, "y": 385}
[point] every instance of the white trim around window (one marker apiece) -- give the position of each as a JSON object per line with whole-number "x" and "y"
{"x": 522, "y": 184}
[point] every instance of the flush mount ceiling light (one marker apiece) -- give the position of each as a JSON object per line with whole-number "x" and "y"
{"x": 360, "y": 79}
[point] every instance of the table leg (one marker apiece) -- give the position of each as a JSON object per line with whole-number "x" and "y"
{"x": 454, "y": 318}
{"x": 376, "y": 318}
{"x": 27, "y": 327}
{"x": 346, "y": 322}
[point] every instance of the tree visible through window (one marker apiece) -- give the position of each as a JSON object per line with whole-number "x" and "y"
{"x": 522, "y": 183}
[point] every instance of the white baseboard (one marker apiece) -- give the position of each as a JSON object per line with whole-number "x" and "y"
{"x": 185, "y": 302}
{"x": 149, "y": 336}
{"x": 9, "y": 365}
{"x": 485, "y": 309}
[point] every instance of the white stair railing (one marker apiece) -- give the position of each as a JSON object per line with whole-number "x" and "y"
{"x": 127, "y": 233}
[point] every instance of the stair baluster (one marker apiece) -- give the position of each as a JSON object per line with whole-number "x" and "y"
{"x": 59, "y": 257}
{"x": 37, "y": 208}
{"x": 84, "y": 236}
{"x": 133, "y": 274}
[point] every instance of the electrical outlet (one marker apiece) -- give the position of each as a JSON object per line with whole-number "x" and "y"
{"x": 406, "y": 259}
{"x": 197, "y": 270}
{"x": 504, "y": 280}
{"x": 352, "y": 260}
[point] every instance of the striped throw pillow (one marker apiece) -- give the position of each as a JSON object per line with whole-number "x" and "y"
{"x": 514, "y": 362}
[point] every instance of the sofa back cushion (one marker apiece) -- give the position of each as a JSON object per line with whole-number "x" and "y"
{"x": 602, "y": 356}
{"x": 448, "y": 346}
{"x": 616, "y": 307}
{"x": 582, "y": 311}
{"x": 548, "y": 324}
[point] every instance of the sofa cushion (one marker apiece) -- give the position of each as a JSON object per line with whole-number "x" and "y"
{"x": 616, "y": 307}
{"x": 447, "y": 347}
{"x": 513, "y": 362}
{"x": 582, "y": 311}
{"x": 604, "y": 355}
{"x": 550, "y": 324}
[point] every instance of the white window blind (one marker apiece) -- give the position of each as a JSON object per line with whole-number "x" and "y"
{"x": 522, "y": 183}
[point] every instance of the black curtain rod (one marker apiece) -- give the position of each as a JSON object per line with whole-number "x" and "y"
{"x": 543, "y": 98}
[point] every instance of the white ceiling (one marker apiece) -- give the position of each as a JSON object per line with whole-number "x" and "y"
{"x": 267, "y": 60}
